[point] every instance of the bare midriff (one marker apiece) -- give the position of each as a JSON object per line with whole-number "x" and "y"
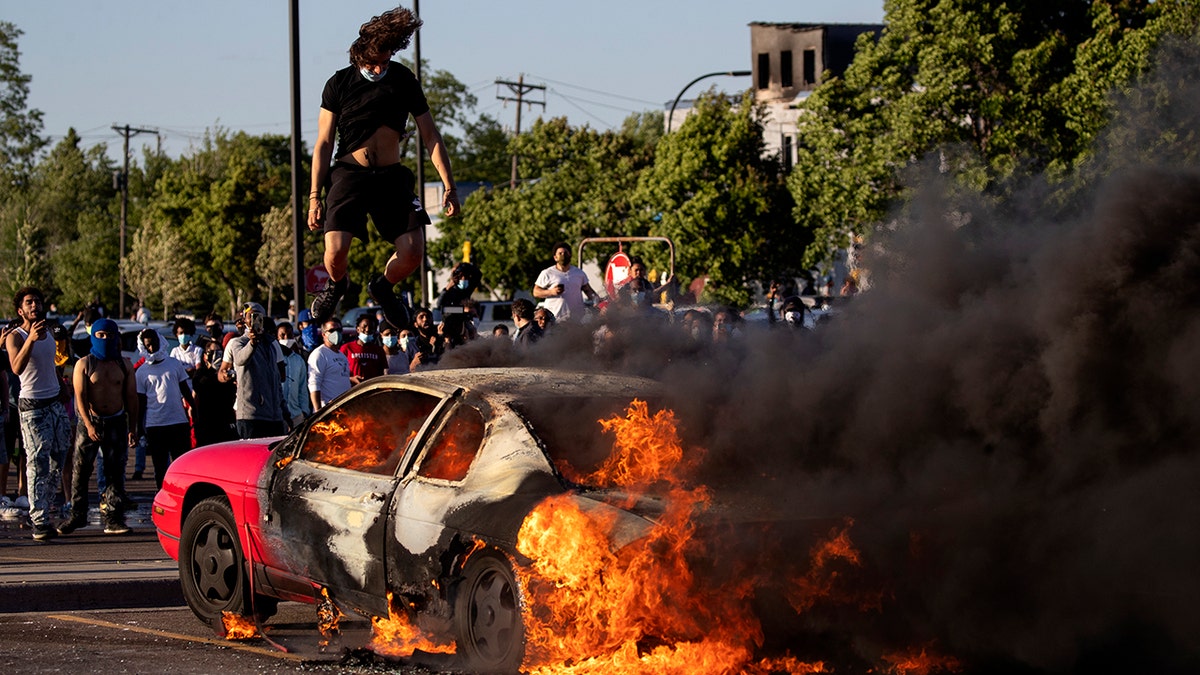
{"x": 381, "y": 149}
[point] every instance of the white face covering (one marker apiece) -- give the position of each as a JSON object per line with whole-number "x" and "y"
{"x": 288, "y": 342}
{"x": 372, "y": 77}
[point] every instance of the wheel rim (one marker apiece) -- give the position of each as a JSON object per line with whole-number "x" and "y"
{"x": 215, "y": 563}
{"x": 495, "y": 618}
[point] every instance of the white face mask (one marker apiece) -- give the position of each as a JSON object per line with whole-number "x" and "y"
{"x": 288, "y": 342}
{"x": 334, "y": 337}
{"x": 404, "y": 342}
{"x": 372, "y": 77}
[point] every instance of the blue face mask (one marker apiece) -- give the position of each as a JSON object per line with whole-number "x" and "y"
{"x": 107, "y": 348}
{"x": 372, "y": 77}
{"x": 390, "y": 341}
{"x": 184, "y": 339}
{"x": 462, "y": 284}
{"x": 366, "y": 338}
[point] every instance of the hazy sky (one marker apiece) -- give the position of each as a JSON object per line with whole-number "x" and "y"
{"x": 184, "y": 67}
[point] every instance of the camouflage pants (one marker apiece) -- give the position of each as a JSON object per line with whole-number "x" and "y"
{"x": 47, "y": 436}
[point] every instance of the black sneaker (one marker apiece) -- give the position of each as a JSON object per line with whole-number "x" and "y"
{"x": 73, "y": 524}
{"x": 44, "y": 532}
{"x": 382, "y": 291}
{"x": 327, "y": 300}
{"x": 116, "y": 527}
{"x": 137, "y": 475}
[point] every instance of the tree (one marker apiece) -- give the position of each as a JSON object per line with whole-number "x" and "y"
{"x": 993, "y": 89}
{"x": 152, "y": 270}
{"x": 20, "y": 128}
{"x": 218, "y": 196}
{"x": 725, "y": 205}
{"x": 578, "y": 182}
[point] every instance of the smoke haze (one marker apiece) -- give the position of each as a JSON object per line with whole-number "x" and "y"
{"x": 1009, "y": 414}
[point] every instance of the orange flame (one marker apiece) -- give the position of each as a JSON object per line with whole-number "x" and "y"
{"x": 396, "y": 636}
{"x": 329, "y": 617}
{"x": 238, "y": 627}
{"x": 823, "y": 580}
{"x": 354, "y": 442}
{"x": 923, "y": 662}
{"x": 639, "y": 609}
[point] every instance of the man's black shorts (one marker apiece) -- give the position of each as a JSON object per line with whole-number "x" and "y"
{"x": 386, "y": 193}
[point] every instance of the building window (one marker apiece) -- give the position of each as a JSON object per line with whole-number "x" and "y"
{"x": 787, "y": 152}
{"x": 810, "y": 66}
{"x": 764, "y": 71}
{"x": 785, "y": 69}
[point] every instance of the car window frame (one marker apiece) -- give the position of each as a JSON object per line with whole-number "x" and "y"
{"x": 297, "y": 440}
{"x": 485, "y": 413}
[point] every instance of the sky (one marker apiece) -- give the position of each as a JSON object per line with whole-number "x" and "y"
{"x": 182, "y": 68}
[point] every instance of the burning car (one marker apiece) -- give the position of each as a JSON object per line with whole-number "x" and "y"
{"x": 406, "y": 492}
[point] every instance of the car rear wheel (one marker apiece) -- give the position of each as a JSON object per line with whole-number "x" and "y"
{"x": 491, "y": 634}
{"x": 212, "y": 569}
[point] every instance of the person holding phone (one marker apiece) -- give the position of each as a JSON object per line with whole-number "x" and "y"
{"x": 260, "y": 371}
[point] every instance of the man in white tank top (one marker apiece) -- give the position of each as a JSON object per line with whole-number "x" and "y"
{"x": 44, "y": 426}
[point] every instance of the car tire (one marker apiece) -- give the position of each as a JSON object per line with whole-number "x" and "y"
{"x": 212, "y": 569}
{"x": 487, "y": 615}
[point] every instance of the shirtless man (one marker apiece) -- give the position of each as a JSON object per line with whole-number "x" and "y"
{"x": 367, "y": 106}
{"x": 106, "y": 401}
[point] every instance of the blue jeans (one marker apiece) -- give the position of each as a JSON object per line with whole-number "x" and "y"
{"x": 46, "y": 435}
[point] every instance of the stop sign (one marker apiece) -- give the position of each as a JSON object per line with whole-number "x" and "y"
{"x": 315, "y": 278}
{"x": 616, "y": 273}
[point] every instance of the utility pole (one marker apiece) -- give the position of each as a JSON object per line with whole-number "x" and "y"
{"x": 423, "y": 270}
{"x": 519, "y": 89}
{"x": 299, "y": 184}
{"x": 125, "y": 131}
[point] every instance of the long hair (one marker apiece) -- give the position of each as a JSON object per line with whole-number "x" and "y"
{"x": 383, "y": 36}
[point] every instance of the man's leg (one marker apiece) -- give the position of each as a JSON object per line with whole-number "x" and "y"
{"x": 45, "y": 434}
{"x": 337, "y": 249}
{"x": 410, "y": 247}
{"x": 84, "y": 459}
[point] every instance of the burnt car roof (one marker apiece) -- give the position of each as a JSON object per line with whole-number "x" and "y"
{"x": 514, "y": 383}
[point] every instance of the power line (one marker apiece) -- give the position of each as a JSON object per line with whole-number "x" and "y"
{"x": 597, "y": 91}
{"x": 520, "y": 89}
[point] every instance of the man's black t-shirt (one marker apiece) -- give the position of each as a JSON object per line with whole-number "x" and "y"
{"x": 362, "y": 106}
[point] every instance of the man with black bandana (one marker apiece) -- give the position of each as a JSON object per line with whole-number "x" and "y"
{"x": 105, "y": 401}
{"x": 367, "y": 105}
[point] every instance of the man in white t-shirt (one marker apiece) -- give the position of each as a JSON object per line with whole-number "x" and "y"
{"x": 328, "y": 369}
{"x": 562, "y": 286}
{"x": 163, "y": 386}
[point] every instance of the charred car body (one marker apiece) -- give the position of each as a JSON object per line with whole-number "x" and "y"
{"x": 413, "y": 486}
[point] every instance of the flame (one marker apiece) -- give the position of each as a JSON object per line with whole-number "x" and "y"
{"x": 639, "y": 609}
{"x": 450, "y": 458}
{"x": 924, "y": 662}
{"x": 822, "y": 581}
{"x": 238, "y": 627}
{"x": 329, "y": 617}
{"x": 396, "y": 636}
{"x": 354, "y": 442}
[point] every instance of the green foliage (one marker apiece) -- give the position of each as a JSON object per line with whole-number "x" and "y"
{"x": 218, "y": 196}
{"x": 576, "y": 182}
{"x": 20, "y": 128}
{"x": 725, "y": 205}
{"x": 992, "y": 88}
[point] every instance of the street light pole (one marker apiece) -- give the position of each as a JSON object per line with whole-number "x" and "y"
{"x": 730, "y": 73}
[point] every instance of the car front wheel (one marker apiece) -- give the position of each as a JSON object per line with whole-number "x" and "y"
{"x": 491, "y": 635}
{"x": 212, "y": 570}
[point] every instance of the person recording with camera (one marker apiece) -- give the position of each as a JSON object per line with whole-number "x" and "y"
{"x": 455, "y": 304}
{"x": 260, "y": 370}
